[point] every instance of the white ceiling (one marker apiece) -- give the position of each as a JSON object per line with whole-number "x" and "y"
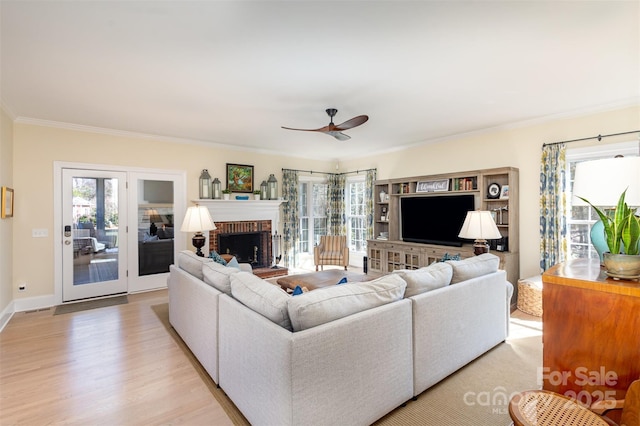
{"x": 233, "y": 72}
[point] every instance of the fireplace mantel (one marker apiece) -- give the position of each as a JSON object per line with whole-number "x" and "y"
{"x": 234, "y": 210}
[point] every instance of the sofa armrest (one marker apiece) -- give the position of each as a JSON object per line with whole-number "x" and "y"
{"x": 455, "y": 324}
{"x": 246, "y": 267}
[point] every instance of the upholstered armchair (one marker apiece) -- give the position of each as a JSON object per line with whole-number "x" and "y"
{"x": 332, "y": 250}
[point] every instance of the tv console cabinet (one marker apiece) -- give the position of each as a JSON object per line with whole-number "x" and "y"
{"x": 387, "y": 252}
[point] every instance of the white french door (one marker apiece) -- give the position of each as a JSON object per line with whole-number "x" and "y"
{"x": 94, "y": 225}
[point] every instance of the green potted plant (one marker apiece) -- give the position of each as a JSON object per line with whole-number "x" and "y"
{"x": 622, "y": 231}
{"x": 256, "y": 194}
{"x": 226, "y": 193}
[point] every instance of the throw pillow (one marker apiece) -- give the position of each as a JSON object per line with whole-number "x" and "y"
{"x": 233, "y": 263}
{"x": 473, "y": 267}
{"x": 331, "y": 303}
{"x": 218, "y": 276}
{"x": 258, "y": 295}
{"x": 217, "y": 258}
{"x": 448, "y": 256}
{"x": 426, "y": 279}
{"x": 192, "y": 263}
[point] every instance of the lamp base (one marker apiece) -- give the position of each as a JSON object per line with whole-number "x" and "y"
{"x": 198, "y": 241}
{"x": 480, "y": 247}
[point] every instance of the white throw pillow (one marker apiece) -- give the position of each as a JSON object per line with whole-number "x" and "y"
{"x": 426, "y": 279}
{"x": 218, "y": 276}
{"x": 326, "y": 304}
{"x": 192, "y": 263}
{"x": 472, "y": 267}
{"x": 262, "y": 297}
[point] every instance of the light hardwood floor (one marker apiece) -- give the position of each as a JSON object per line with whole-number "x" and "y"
{"x": 109, "y": 366}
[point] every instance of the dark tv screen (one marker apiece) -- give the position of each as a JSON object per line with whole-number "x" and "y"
{"x": 434, "y": 219}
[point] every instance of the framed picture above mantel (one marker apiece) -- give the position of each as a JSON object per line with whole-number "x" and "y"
{"x": 240, "y": 178}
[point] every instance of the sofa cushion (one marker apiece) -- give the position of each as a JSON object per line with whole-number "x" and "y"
{"x": 218, "y": 276}
{"x": 330, "y": 303}
{"x": 192, "y": 263}
{"x": 262, "y": 297}
{"x": 472, "y": 267}
{"x": 425, "y": 279}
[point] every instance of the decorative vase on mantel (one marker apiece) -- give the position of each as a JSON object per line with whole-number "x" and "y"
{"x": 622, "y": 266}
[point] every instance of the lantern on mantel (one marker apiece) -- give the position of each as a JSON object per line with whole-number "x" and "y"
{"x": 205, "y": 184}
{"x": 216, "y": 189}
{"x": 263, "y": 190}
{"x": 272, "y": 187}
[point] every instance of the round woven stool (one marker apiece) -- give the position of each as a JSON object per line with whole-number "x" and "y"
{"x": 544, "y": 408}
{"x": 530, "y": 295}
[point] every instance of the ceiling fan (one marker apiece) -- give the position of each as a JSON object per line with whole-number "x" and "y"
{"x": 336, "y": 130}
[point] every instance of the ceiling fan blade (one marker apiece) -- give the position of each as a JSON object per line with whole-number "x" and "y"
{"x": 339, "y": 135}
{"x": 354, "y": 122}
{"x": 322, "y": 129}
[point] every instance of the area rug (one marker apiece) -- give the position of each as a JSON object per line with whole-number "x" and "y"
{"x": 477, "y": 394}
{"x": 90, "y": 304}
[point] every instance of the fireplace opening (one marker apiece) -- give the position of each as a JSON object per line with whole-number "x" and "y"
{"x": 247, "y": 247}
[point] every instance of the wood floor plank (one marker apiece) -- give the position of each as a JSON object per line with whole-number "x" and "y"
{"x": 106, "y": 366}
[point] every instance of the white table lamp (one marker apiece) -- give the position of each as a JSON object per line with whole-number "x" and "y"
{"x": 479, "y": 226}
{"x": 198, "y": 219}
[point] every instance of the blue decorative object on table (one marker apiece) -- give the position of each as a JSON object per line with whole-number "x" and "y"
{"x": 242, "y": 197}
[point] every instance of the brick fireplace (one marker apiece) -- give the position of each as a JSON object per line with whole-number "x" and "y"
{"x": 248, "y": 241}
{"x": 252, "y": 222}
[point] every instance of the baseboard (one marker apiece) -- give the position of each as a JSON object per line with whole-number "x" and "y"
{"x": 6, "y": 315}
{"x": 31, "y": 303}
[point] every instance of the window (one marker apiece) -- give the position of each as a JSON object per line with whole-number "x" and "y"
{"x": 355, "y": 214}
{"x": 313, "y": 212}
{"x": 581, "y": 218}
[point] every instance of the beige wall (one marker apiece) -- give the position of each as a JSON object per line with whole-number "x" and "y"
{"x": 36, "y": 149}
{"x": 6, "y": 225}
{"x": 517, "y": 147}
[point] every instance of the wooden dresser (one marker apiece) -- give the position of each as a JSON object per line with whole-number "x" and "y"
{"x": 591, "y": 332}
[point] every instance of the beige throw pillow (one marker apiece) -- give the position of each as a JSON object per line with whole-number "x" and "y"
{"x": 258, "y": 295}
{"x": 473, "y": 267}
{"x": 218, "y": 276}
{"x": 426, "y": 279}
{"x": 330, "y": 303}
{"x": 192, "y": 263}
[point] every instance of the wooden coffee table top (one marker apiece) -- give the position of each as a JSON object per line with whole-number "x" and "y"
{"x": 320, "y": 279}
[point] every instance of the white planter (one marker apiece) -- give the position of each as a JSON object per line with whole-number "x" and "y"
{"x": 225, "y": 196}
{"x": 256, "y": 196}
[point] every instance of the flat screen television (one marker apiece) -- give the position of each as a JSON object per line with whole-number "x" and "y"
{"x": 434, "y": 219}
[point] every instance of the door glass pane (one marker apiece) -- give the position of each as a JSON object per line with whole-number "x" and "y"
{"x": 95, "y": 230}
{"x": 155, "y": 226}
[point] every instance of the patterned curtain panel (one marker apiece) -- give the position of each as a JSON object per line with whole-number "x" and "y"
{"x": 337, "y": 218}
{"x": 369, "y": 201}
{"x": 291, "y": 209}
{"x": 553, "y": 206}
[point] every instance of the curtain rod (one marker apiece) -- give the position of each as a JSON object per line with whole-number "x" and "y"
{"x": 328, "y": 173}
{"x": 599, "y": 137}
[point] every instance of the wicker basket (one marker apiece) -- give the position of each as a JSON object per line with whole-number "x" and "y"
{"x": 530, "y": 295}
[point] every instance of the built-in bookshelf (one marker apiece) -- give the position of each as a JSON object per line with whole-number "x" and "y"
{"x": 495, "y": 190}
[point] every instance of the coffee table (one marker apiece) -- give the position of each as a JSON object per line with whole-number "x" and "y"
{"x": 320, "y": 279}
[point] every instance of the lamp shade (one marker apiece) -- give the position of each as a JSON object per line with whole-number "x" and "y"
{"x": 479, "y": 225}
{"x": 197, "y": 219}
{"x": 602, "y": 181}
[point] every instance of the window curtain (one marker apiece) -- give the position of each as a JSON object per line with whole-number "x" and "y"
{"x": 291, "y": 219}
{"x": 369, "y": 211}
{"x": 553, "y": 206}
{"x": 335, "y": 193}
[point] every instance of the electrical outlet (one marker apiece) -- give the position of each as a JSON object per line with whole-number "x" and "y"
{"x": 22, "y": 287}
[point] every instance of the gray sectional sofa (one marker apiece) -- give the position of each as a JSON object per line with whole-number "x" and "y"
{"x": 346, "y": 354}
